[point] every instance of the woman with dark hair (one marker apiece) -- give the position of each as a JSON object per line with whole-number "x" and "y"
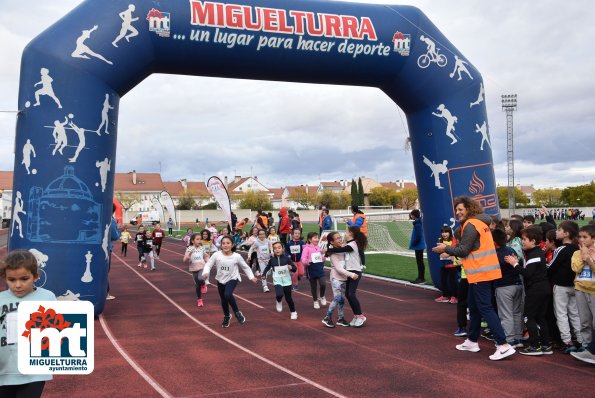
{"x": 480, "y": 262}
{"x": 418, "y": 244}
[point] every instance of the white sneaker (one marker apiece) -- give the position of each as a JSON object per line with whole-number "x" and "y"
{"x": 584, "y": 356}
{"x": 265, "y": 289}
{"x": 359, "y": 321}
{"x": 316, "y": 305}
{"x": 323, "y": 301}
{"x": 279, "y": 306}
{"x": 502, "y": 351}
{"x": 294, "y": 316}
{"x": 468, "y": 345}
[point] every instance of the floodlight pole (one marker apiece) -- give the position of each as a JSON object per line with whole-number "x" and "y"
{"x": 509, "y": 104}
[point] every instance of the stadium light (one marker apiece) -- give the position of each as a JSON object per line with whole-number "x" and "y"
{"x": 509, "y": 105}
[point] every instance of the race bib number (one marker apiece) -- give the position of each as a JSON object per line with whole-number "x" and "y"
{"x": 158, "y": 234}
{"x": 197, "y": 256}
{"x": 11, "y": 327}
{"x": 273, "y": 239}
{"x": 280, "y": 273}
{"x": 225, "y": 268}
{"x": 316, "y": 257}
{"x": 264, "y": 249}
{"x": 586, "y": 274}
{"x": 295, "y": 249}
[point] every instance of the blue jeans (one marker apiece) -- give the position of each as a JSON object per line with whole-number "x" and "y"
{"x": 479, "y": 300}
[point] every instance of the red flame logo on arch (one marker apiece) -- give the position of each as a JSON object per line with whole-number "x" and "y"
{"x": 476, "y": 185}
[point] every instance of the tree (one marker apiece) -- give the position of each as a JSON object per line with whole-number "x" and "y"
{"x": 379, "y": 196}
{"x": 579, "y": 196}
{"x": 519, "y": 197}
{"x": 360, "y": 192}
{"x": 303, "y": 198}
{"x": 334, "y": 200}
{"x": 547, "y": 197}
{"x": 127, "y": 200}
{"x": 255, "y": 200}
{"x": 186, "y": 202}
{"x": 353, "y": 193}
{"x": 408, "y": 198}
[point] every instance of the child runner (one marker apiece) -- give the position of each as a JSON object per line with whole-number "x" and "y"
{"x": 294, "y": 250}
{"x": 139, "y": 238}
{"x": 339, "y": 278}
{"x": 356, "y": 243}
{"x": 313, "y": 261}
{"x": 537, "y": 288}
{"x": 281, "y": 265}
{"x": 448, "y": 272}
{"x": 20, "y": 271}
{"x": 262, "y": 247}
{"x": 273, "y": 237}
{"x": 207, "y": 243}
{"x": 227, "y": 263}
{"x": 124, "y": 238}
{"x": 583, "y": 264}
{"x": 186, "y": 238}
{"x": 197, "y": 257}
{"x": 513, "y": 231}
{"x": 158, "y": 235}
{"x": 224, "y": 232}
{"x": 148, "y": 250}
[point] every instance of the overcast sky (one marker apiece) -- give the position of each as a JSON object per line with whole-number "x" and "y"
{"x": 290, "y": 134}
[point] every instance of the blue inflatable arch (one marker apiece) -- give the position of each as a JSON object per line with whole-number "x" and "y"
{"x": 74, "y": 74}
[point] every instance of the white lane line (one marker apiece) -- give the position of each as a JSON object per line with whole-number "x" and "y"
{"x": 229, "y": 341}
{"x": 245, "y": 390}
{"x": 143, "y": 373}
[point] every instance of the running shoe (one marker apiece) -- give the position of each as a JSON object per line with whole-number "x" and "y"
{"x": 488, "y": 335}
{"x": 153, "y": 268}
{"x": 293, "y": 316}
{"x": 146, "y": 266}
{"x": 322, "y": 301}
{"x": 525, "y": 335}
{"x": 460, "y": 332}
{"x": 502, "y": 351}
{"x": 454, "y": 300}
{"x": 547, "y": 349}
{"x": 359, "y": 321}
{"x": 418, "y": 281}
{"x": 226, "y": 321}
{"x": 241, "y": 318}
{"x": 584, "y": 356}
{"x": 199, "y": 303}
{"x": 342, "y": 322}
{"x": 110, "y": 297}
{"x": 534, "y": 351}
{"x": 442, "y": 299}
{"x": 295, "y": 287}
{"x": 328, "y": 322}
{"x": 468, "y": 345}
{"x": 568, "y": 348}
{"x": 516, "y": 344}
{"x": 140, "y": 265}
{"x": 203, "y": 288}
{"x": 316, "y": 305}
{"x": 265, "y": 289}
{"x": 279, "y": 306}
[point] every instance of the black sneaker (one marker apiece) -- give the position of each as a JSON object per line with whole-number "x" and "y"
{"x": 419, "y": 281}
{"x": 531, "y": 351}
{"x": 226, "y": 321}
{"x": 547, "y": 350}
{"x": 343, "y": 322}
{"x": 488, "y": 336}
{"x": 328, "y": 322}
{"x": 241, "y": 318}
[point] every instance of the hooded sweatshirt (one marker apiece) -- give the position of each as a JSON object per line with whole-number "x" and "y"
{"x": 284, "y": 224}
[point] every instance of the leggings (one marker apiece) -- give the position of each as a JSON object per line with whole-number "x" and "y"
{"x": 227, "y": 298}
{"x": 29, "y": 390}
{"x": 421, "y": 268}
{"x": 157, "y": 248}
{"x": 448, "y": 280}
{"x": 124, "y": 249}
{"x": 170, "y": 231}
{"x": 139, "y": 249}
{"x": 322, "y": 283}
{"x": 350, "y": 288}
{"x": 198, "y": 282}
{"x": 338, "y": 298}
{"x": 281, "y": 291}
{"x": 462, "y": 303}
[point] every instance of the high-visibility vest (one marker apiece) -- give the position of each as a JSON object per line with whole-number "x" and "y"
{"x": 320, "y": 218}
{"x": 265, "y": 221}
{"x": 482, "y": 264}
{"x": 364, "y": 226}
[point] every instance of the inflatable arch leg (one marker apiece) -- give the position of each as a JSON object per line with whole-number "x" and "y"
{"x": 74, "y": 73}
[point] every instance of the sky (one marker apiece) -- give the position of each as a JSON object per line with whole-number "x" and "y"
{"x": 292, "y": 134}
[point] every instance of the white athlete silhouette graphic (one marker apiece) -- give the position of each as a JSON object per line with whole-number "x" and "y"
{"x": 431, "y": 55}
{"x": 81, "y": 134}
{"x": 41, "y": 258}
{"x": 450, "y": 122}
{"x": 484, "y": 134}
{"x": 103, "y": 166}
{"x": 104, "y": 115}
{"x": 479, "y": 99}
{"x": 46, "y": 88}
{"x": 87, "y": 276}
{"x": 59, "y": 134}
{"x": 28, "y": 150}
{"x": 437, "y": 169}
{"x": 16, "y": 219}
{"x": 460, "y": 67}
{"x": 104, "y": 243}
{"x": 82, "y": 51}
{"x": 127, "y": 20}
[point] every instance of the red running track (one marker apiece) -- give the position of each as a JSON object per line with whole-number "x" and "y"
{"x": 153, "y": 341}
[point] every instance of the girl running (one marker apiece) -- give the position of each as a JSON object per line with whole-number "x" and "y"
{"x": 19, "y": 271}
{"x": 186, "y": 238}
{"x": 448, "y": 271}
{"x": 294, "y": 250}
{"x": 313, "y": 261}
{"x": 273, "y": 237}
{"x": 282, "y": 265}
{"x": 124, "y": 238}
{"x": 263, "y": 249}
{"x": 249, "y": 241}
{"x": 339, "y": 278}
{"x": 148, "y": 250}
{"x": 197, "y": 257}
{"x": 207, "y": 243}
{"x": 139, "y": 238}
{"x": 228, "y": 263}
{"x": 356, "y": 243}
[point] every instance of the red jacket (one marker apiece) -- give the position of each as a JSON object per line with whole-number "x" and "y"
{"x": 158, "y": 235}
{"x": 284, "y": 224}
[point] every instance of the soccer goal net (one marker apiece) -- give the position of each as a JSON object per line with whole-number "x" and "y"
{"x": 388, "y": 231}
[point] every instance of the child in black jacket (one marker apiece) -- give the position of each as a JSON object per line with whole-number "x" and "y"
{"x": 282, "y": 267}
{"x": 537, "y": 289}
